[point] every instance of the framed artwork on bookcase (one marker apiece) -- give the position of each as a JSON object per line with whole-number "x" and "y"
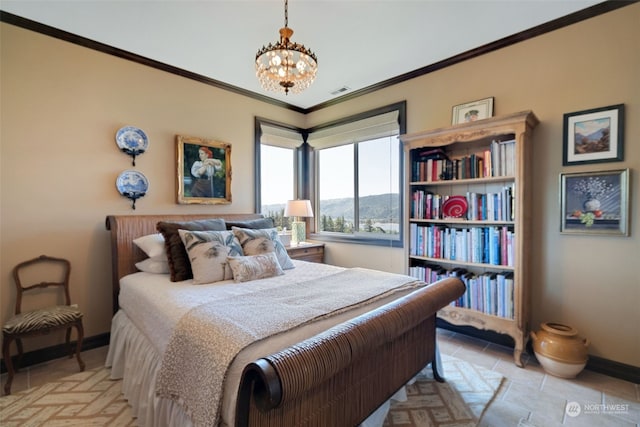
{"x": 595, "y": 202}
{"x": 472, "y": 111}
{"x": 593, "y": 136}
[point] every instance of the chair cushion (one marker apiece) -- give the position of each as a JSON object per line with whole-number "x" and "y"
{"x": 43, "y": 319}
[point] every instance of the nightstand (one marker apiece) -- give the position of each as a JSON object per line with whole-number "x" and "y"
{"x": 313, "y": 252}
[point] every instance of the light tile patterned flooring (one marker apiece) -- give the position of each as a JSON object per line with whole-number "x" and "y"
{"x": 529, "y": 397}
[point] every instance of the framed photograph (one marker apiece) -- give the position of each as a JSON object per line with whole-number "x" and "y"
{"x": 595, "y": 202}
{"x": 204, "y": 171}
{"x": 593, "y": 136}
{"x": 472, "y": 111}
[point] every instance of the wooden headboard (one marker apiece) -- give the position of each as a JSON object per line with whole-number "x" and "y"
{"x": 125, "y": 228}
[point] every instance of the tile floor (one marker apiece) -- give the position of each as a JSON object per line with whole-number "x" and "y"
{"x": 528, "y": 397}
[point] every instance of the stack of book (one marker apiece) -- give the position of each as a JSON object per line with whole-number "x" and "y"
{"x": 435, "y": 164}
{"x": 490, "y": 293}
{"x": 498, "y": 206}
{"x": 481, "y": 245}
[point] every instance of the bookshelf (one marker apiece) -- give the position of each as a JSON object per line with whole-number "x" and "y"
{"x": 468, "y": 191}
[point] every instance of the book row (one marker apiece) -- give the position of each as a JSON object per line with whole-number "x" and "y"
{"x": 498, "y": 206}
{"x": 435, "y": 164}
{"x": 482, "y": 245}
{"x": 490, "y": 293}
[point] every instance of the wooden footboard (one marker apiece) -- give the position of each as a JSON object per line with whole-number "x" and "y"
{"x": 339, "y": 377}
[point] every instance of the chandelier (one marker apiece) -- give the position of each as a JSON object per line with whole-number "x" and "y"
{"x": 286, "y": 65}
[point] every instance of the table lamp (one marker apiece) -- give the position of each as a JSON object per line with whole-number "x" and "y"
{"x": 298, "y": 209}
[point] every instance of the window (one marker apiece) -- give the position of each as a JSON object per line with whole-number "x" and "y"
{"x": 335, "y": 192}
{"x": 358, "y": 182}
{"x": 276, "y": 168}
{"x": 351, "y": 170}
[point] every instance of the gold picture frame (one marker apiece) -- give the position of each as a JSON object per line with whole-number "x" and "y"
{"x": 204, "y": 171}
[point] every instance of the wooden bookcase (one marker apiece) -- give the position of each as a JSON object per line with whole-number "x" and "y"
{"x": 483, "y": 234}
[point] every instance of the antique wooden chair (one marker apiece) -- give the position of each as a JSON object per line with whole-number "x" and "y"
{"x": 40, "y": 321}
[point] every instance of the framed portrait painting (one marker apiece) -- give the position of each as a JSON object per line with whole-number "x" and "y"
{"x": 204, "y": 171}
{"x": 595, "y": 202}
{"x": 593, "y": 136}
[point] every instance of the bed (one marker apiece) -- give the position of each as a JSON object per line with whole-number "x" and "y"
{"x": 338, "y": 368}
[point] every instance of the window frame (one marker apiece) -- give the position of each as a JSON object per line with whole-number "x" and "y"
{"x": 298, "y": 164}
{"x": 361, "y": 237}
{"x": 306, "y": 175}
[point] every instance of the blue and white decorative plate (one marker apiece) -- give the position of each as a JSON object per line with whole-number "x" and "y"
{"x": 130, "y": 139}
{"x": 132, "y": 184}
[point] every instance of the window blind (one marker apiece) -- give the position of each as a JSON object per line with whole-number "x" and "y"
{"x": 280, "y": 136}
{"x": 379, "y": 126}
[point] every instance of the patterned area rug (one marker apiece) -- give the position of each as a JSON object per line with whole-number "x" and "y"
{"x": 458, "y": 402}
{"x": 91, "y": 399}
{"x": 87, "y": 398}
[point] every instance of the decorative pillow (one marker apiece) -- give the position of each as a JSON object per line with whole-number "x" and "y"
{"x": 253, "y": 267}
{"x": 179, "y": 265}
{"x": 208, "y": 251}
{"x": 152, "y": 245}
{"x": 251, "y": 223}
{"x": 156, "y": 265}
{"x": 255, "y": 242}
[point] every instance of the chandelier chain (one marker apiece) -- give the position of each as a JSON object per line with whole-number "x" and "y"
{"x": 286, "y": 13}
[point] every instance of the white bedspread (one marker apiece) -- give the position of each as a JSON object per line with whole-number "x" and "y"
{"x": 155, "y": 304}
{"x": 151, "y": 306}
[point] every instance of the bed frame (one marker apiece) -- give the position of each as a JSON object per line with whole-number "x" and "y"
{"x": 336, "y": 378}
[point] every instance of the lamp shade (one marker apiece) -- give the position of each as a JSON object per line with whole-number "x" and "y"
{"x": 299, "y": 208}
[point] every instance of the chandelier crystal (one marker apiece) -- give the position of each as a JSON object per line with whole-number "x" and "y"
{"x": 286, "y": 65}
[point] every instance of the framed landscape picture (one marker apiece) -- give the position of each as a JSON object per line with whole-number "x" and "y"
{"x": 595, "y": 202}
{"x": 204, "y": 171}
{"x": 594, "y": 136}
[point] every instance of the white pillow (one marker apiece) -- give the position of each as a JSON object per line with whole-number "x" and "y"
{"x": 256, "y": 242}
{"x": 208, "y": 251}
{"x": 152, "y": 245}
{"x": 253, "y": 267}
{"x": 156, "y": 265}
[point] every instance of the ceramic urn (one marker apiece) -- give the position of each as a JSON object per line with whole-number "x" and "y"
{"x": 560, "y": 350}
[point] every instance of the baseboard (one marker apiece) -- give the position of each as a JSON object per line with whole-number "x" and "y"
{"x": 596, "y": 364}
{"x": 56, "y": 352}
{"x": 614, "y": 369}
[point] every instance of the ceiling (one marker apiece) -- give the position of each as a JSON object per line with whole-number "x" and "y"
{"x": 358, "y": 43}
